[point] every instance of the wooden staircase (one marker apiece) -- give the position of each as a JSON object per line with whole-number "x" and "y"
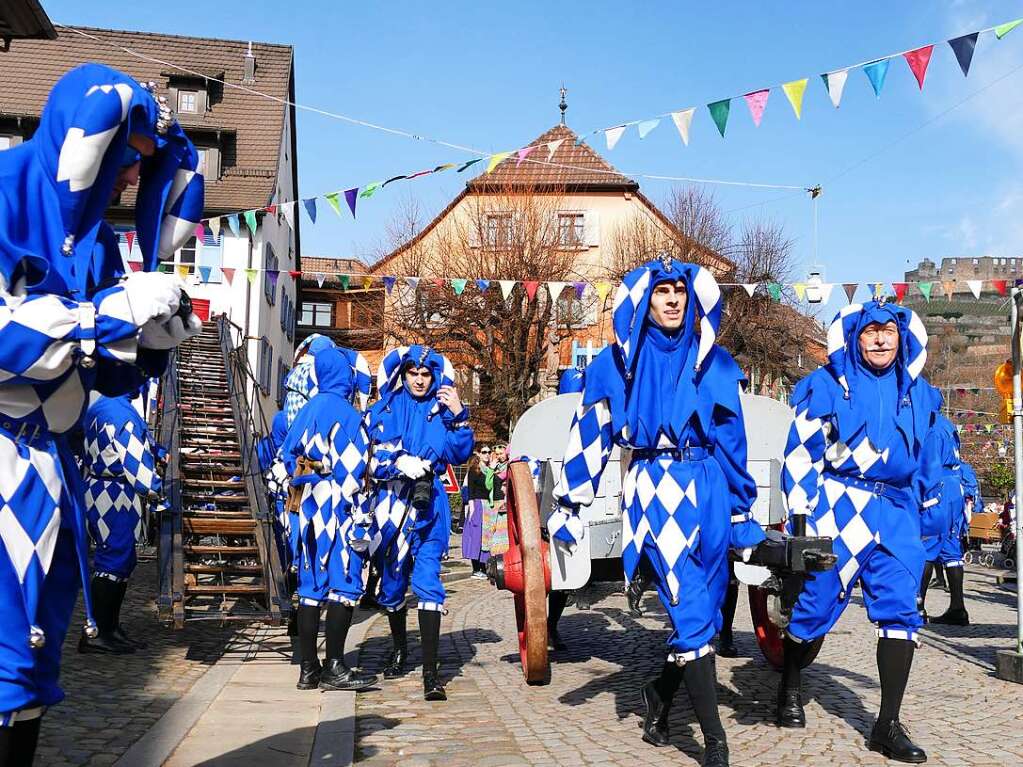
{"x": 218, "y": 559}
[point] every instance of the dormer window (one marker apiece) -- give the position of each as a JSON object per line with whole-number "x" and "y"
{"x": 188, "y": 102}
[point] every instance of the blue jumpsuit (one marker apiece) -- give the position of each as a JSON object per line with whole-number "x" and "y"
{"x": 674, "y": 400}
{"x": 852, "y": 468}
{"x": 66, "y": 329}
{"x": 271, "y": 464}
{"x": 332, "y": 530}
{"x": 120, "y": 479}
{"x": 941, "y": 518}
{"x": 409, "y": 544}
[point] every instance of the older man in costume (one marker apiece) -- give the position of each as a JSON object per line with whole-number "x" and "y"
{"x": 121, "y": 478}
{"x": 333, "y": 531}
{"x": 70, "y": 323}
{"x": 417, "y": 428}
{"x": 672, "y": 396}
{"x": 853, "y": 471}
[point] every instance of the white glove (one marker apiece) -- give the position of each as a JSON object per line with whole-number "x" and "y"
{"x": 411, "y": 466}
{"x": 166, "y": 334}
{"x": 152, "y": 295}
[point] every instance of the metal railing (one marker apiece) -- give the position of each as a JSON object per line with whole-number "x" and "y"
{"x": 170, "y": 598}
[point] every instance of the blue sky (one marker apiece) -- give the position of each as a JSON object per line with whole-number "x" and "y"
{"x": 487, "y": 75}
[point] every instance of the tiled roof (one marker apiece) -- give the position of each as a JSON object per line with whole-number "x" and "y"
{"x": 571, "y": 167}
{"x": 333, "y": 265}
{"x": 248, "y": 177}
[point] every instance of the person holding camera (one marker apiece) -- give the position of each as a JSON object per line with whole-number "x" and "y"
{"x": 418, "y": 427}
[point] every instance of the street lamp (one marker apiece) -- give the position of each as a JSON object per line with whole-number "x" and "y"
{"x": 815, "y": 285}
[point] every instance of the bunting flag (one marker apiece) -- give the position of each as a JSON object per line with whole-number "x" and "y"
{"x": 458, "y": 283}
{"x": 523, "y": 154}
{"x": 750, "y": 288}
{"x": 876, "y": 71}
{"x": 389, "y": 283}
{"x": 800, "y": 288}
{"x": 826, "y": 288}
{"x": 612, "y": 135}
{"x": 183, "y": 271}
{"x": 757, "y": 102}
{"x": 310, "y": 208}
{"x": 682, "y": 122}
{"x": 345, "y": 281}
{"x": 850, "y": 290}
{"x": 461, "y": 168}
{"x": 392, "y": 179}
{"x": 963, "y": 48}
{"x": 719, "y": 113}
{"x": 215, "y": 228}
{"x": 925, "y": 290}
{"x": 250, "y": 221}
{"x": 482, "y": 285}
{"x": 332, "y": 199}
{"x": 530, "y": 286}
{"x": 554, "y": 289}
{"x": 129, "y": 237}
{"x": 250, "y": 275}
{"x": 228, "y": 274}
{"x": 232, "y": 223}
{"x": 1000, "y": 286}
{"x": 552, "y": 147}
{"x": 438, "y": 169}
{"x": 795, "y": 90}
{"x": 1003, "y": 29}
{"x": 918, "y": 61}
{"x": 367, "y": 282}
{"x": 948, "y": 286}
{"x": 496, "y": 160}
{"x": 288, "y": 210}
{"x": 580, "y": 288}
{"x": 204, "y": 273}
{"x": 200, "y": 235}
{"x": 506, "y": 287}
{"x": 646, "y": 126}
{"x": 320, "y": 278}
{"x": 878, "y": 290}
{"x": 412, "y": 282}
{"x": 438, "y": 282}
{"x": 294, "y": 274}
{"x": 975, "y": 286}
{"x": 835, "y": 83}
{"x": 900, "y": 289}
{"x": 774, "y": 291}
{"x": 166, "y": 267}
{"x": 369, "y": 189}
{"x": 271, "y": 209}
{"x": 603, "y": 288}
{"x": 351, "y": 195}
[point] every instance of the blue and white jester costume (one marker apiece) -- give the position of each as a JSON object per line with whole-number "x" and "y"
{"x": 120, "y": 468}
{"x": 942, "y": 517}
{"x": 673, "y": 398}
{"x": 268, "y": 450}
{"x": 852, "y": 471}
{"x": 67, "y": 327}
{"x": 333, "y": 530}
{"x": 572, "y": 381}
{"x": 300, "y": 385}
{"x": 413, "y": 440}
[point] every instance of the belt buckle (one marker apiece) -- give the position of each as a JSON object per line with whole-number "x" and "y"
{"x": 879, "y": 488}
{"x": 23, "y": 432}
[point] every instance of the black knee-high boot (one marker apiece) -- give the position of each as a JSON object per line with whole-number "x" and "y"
{"x": 308, "y": 632}
{"x": 18, "y": 743}
{"x": 790, "y": 690}
{"x": 105, "y": 594}
{"x": 336, "y": 675}
{"x": 397, "y": 662}
{"x": 657, "y": 696}
{"x": 429, "y": 638}
{"x": 956, "y": 614}
{"x": 726, "y": 642}
{"x": 118, "y": 631}
{"x": 925, "y": 581}
{"x": 894, "y": 660}
{"x": 556, "y": 602}
{"x": 700, "y": 677}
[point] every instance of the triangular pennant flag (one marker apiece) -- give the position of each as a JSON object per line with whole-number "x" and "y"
{"x": 554, "y": 289}
{"x": 975, "y": 286}
{"x": 925, "y": 290}
{"x": 367, "y": 282}
{"x": 794, "y": 91}
{"x": 949, "y": 287}
{"x": 900, "y": 289}
{"x": 273, "y": 274}
{"x": 232, "y": 223}
{"x": 250, "y": 275}
{"x": 613, "y": 134}
{"x": 800, "y": 288}
{"x": 603, "y": 288}
{"x": 989, "y": 427}
{"x": 646, "y": 126}
{"x": 183, "y": 271}
{"x": 469, "y": 164}
{"x": 438, "y": 282}
{"x": 719, "y": 113}
{"x": 878, "y": 290}
{"x": 392, "y": 179}
{"x": 129, "y": 237}
{"x": 506, "y": 287}
{"x": 876, "y": 72}
{"x": 458, "y": 284}
{"x": 826, "y": 288}
{"x": 757, "y": 101}
{"x": 580, "y": 288}
{"x": 204, "y": 273}
{"x": 310, "y": 208}
{"x": 682, "y": 121}
{"x": 835, "y": 83}
{"x": 369, "y": 189}
{"x": 389, "y": 283}
{"x": 215, "y": 228}
{"x": 295, "y": 273}
{"x": 497, "y": 159}
{"x": 271, "y": 209}
{"x": 918, "y": 61}
{"x": 1000, "y": 286}
{"x": 482, "y": 285}
{"x": 530, "y": 286}
{"x": 412, "y": 282}
{"x": 135, "y": 266}
{"x": 552, "y": 147}
{"x": 850, "y": 290}
{"x": 523, "y": 154}
{"x": 1003, "y": 29}
{"x": 228, "y": 273}
{"x": 774, "y": 291}
{"x": 200, "y": 235}
{"x": 963, "y": 48}
{"x": 345, "y": 281}
{"x": 166, "y": 267}
{"x": 288, "y": 209}
{"x": 250, "y": 220}
{"x": 750, "y": 288}
{"x": 332, "y": 198}
{"x": 320, "y": 278}
{"x": 351, "y": 195}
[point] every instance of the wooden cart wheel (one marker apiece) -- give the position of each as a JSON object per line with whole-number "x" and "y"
{"x": 531, "y": 604}
{"x": 769, "y": 636}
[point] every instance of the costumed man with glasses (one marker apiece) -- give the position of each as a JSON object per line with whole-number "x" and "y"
{"x": 417, "y": 428}
{"x": 71, "y": 322}
{"x": 672, "y": 396}
{"x": 854, "y": 471}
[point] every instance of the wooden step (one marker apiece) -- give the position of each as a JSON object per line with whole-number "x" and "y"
{"x": 235, "y": 588}
{"x": 198, "y": 526}
{"x": 225, "y": 569}
{"x": 218, "y": 514}
{"x": 226, "y": 551}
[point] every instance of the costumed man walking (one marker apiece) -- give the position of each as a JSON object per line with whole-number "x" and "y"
{"x": 417, "y": 428}
{"x": 70, "y": 322}
{"x": 672, "y": 396}
{"x": 852, "y": 472}
{"x": 941, "y": 522}
{"x": 333, "y": 529}
{"x": 121, "y": 478}
{"x": 271, "y": 463}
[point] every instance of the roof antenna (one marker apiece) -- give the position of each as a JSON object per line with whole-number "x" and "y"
{"x": 563, "y": 106}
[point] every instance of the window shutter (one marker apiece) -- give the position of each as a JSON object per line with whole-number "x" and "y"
{"x": 592, "y": 226}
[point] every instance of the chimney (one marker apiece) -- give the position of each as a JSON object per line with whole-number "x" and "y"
{"x": 250, "y": 66}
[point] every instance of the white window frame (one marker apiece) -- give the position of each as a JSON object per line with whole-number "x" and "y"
{"x": 182, "y": 96}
